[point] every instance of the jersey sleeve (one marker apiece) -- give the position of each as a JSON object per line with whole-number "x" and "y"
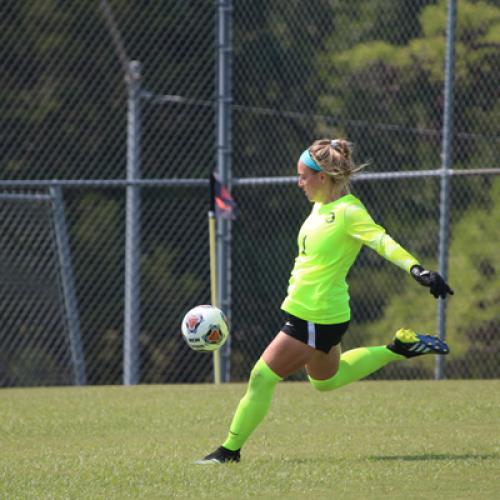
{"x": 360, "y": 225}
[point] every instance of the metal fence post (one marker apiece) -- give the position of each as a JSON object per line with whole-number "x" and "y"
{"x": 68, "y": 284}
{"x": 444, "y": 207}
{"x": 132, "y": 238}
{"x": 224, "y": 151}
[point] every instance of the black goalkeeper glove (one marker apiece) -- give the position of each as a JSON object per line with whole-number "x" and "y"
{"x": 438, "y": 286}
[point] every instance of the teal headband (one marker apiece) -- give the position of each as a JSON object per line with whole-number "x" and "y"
{"x": 307, "y": 160}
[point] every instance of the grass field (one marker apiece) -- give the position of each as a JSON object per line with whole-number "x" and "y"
{"x": 369, "y": 440}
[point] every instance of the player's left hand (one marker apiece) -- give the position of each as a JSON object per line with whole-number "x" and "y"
{"x": 434, "y": 281}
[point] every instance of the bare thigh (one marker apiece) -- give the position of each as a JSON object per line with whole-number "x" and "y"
{"x": 322, "y": 366}
{"x": 285, "y": 355}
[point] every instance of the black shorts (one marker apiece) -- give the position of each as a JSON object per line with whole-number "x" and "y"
{"x": 321, "y": 337}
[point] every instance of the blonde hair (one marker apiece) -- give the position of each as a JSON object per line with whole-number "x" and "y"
{"x": 335, "y": 159}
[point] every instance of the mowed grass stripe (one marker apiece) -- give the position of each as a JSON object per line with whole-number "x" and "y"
{"x": 408, "y": 439}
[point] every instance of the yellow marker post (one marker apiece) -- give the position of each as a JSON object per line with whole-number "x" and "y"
{"x": 213, "y": 285}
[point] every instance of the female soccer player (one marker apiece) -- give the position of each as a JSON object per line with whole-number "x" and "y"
{"x": 317, "y": 304}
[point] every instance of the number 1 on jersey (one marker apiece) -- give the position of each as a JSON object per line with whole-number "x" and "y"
{"x": 303, "y": 250}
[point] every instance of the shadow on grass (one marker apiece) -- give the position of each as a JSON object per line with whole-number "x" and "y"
{"x": 394, "y": 458}
{"x": 434, "y": 456}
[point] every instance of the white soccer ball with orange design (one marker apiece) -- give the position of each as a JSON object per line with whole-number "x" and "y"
{"x": 205, "y": 328}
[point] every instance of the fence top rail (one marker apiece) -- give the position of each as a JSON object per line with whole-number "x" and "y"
{"x": 24, "y": 197}
{"x": 375, "y": 176}
{"x": 110, "y": 183}
{"x": 240, "y": 181}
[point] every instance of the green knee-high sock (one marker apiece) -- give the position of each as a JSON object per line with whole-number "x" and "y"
{"x": 253, "y": 406}
{"x": 355, "y": 365}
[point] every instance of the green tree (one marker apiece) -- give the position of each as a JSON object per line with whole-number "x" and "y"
{"x": 388, "y": 98}
{"x": 402, "y": 87}
{"x": 473, "y": 322}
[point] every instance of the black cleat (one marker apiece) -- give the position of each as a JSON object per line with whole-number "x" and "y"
{"x": 220, "y": 456}
{"x": 410, "y": 344}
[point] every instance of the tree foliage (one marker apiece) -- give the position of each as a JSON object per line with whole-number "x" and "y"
{"x": 373, "y": 73}
{"x": 472, "y": 320}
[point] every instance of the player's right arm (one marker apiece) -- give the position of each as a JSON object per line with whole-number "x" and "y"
{"x": 360, "y": 225}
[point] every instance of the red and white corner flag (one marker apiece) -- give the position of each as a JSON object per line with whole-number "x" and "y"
{"x": 221, "y": 200}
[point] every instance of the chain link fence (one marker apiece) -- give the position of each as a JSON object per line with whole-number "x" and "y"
{"x": 298, "y": 71}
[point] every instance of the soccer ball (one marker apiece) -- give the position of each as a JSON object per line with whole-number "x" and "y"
{"x": 205, "y": 328}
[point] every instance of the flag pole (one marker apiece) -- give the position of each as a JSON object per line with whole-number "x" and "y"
{"x": 213, "y": 270}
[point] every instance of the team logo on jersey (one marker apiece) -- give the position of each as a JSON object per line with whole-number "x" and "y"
{"x": 330, "y": 217}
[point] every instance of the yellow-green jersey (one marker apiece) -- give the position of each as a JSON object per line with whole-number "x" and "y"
{"x": 329, "y": 242}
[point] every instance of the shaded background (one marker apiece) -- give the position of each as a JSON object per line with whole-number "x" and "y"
{"x": 301, "y": 71}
